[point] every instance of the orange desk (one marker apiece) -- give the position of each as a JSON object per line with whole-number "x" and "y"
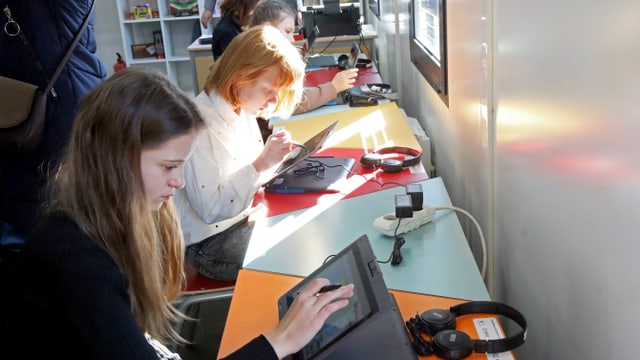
{"x": 254, "y": 309}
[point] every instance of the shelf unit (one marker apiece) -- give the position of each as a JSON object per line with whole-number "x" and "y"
{"x": 177, "y": 34}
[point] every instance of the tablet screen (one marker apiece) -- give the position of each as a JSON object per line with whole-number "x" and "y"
{"x": 345, "y": 268}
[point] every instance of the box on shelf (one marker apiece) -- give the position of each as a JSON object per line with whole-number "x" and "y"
{"x": 183, "y": 7}
{"x": 158, "y": 44}
{"x": 141, "y": 51}
{"x": 142, "y": 11}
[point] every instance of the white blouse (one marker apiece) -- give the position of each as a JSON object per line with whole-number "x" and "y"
{"x": 220, "y": 181}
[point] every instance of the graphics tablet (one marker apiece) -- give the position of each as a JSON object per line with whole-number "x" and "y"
{"x": 371, "y": 326}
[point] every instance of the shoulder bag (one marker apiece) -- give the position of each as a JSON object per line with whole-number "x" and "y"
{"x": 23, "y": 113}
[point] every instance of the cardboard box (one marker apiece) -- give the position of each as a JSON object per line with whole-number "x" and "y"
{"x": 183, "y": 7}
{"x": 142, "y": 11}
{"x": 140, "y": 51}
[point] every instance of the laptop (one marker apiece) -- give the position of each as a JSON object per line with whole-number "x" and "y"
{"x": 287, "y": 180}
{"x": 316, "y": 174}
{"x": 371, "y": 326}
{"x": 322, "y": 60}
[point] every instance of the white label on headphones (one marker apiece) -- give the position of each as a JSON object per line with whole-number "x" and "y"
{"x": 489, "y": 329}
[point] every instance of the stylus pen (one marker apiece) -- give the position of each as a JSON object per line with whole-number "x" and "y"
{"x": 326, "y": 288}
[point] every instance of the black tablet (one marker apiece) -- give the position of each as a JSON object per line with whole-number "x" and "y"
{"x": 370, "y": 326}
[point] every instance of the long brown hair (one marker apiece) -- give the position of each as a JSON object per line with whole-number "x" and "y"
{"x": 251, "y": 54}
{"x": 99, "y": 185}
{"x": 240, "y": 9}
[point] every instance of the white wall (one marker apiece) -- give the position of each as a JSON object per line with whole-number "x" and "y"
{"x": 552, "y": 170}
{"x": 107, "y": 30}
{"x": 567, "y": 172}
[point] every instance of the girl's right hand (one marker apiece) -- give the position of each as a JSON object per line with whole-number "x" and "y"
{"x": 306, "y": 316}
{"x": 276, "y": 148}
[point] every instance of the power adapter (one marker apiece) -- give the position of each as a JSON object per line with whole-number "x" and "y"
{"x": 415, "y": 191}
{"x": 404, "y": 206}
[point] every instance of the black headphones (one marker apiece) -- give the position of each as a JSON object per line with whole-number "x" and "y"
{"x": 378, "y": 158}
{"x": 451, "y": 344}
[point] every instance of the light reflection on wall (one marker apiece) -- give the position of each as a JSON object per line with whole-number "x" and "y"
{"x": 562, "y": 141}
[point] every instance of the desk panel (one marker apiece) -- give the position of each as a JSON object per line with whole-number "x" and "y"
{"x": 437, "y": 258}
{"x": 365, "y": 128}
{"x": 254, "y": 309}
{"x": 360, "y": 131}
{"x": 361, "y": 181}
{"x": 316, "y": 77}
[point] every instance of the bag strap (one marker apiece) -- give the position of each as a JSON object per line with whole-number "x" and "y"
{"x": 12, "y": 28}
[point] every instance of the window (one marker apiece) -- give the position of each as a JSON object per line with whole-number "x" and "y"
{"x": 374, "y": 6}
{"x": 429, "y": 43}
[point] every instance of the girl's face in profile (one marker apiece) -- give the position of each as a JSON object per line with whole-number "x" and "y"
{"x": 162, "y": 168}
{"x": 260, "y": 96}
{"x": 287, "y": 27}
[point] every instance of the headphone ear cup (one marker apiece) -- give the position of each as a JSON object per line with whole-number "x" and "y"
{"x": 452, "y": 344}
{"x": 371, "y": 160}
{"x": 391, "y": 166}
{"x": 435, "y": 320}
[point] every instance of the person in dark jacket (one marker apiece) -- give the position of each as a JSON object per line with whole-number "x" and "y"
{"x": 235, "y": 18}
{"x": 97, "y": 276}
{"x": 49, "y": 26}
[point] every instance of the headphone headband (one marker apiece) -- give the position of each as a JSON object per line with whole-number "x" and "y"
{"x": 491, "y": 307}
{"x": 414, "y": 155}
{"x": 376, "y": 158}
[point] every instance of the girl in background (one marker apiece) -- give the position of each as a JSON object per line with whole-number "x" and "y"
{"x": 260, "y": 74}
{"x": 282, "y": 16}
{"x": 235, "y": 18}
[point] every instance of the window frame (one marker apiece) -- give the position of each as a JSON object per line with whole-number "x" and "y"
{"x": 434, "y": 71}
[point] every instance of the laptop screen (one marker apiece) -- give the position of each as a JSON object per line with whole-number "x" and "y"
{"x": 311, "y": 38}
{"x": 300, "y": 153}
{"x": 354, "y": 55}
{"x": 371, "y": 313}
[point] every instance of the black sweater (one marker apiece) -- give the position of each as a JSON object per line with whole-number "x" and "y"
{"x": 225, "y": 31}
{"x": 67, "y": 297}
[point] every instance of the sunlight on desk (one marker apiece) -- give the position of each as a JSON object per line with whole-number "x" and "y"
{"x": 370, "y": 126}
{"x": 359, "y": 131}
{"x": 269, "y": 232}
{"x": 363, "y": 128}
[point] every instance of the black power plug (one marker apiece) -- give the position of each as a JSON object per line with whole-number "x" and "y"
{"x": 404, "y": 206}
{"x": 415, "y": 191}
{"x": 404, "y": 209}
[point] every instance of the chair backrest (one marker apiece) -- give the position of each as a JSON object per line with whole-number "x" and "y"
{"x": 208, "y": 311}
{"x": 206, "y": 301}
{"x": 196, "y": 283}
